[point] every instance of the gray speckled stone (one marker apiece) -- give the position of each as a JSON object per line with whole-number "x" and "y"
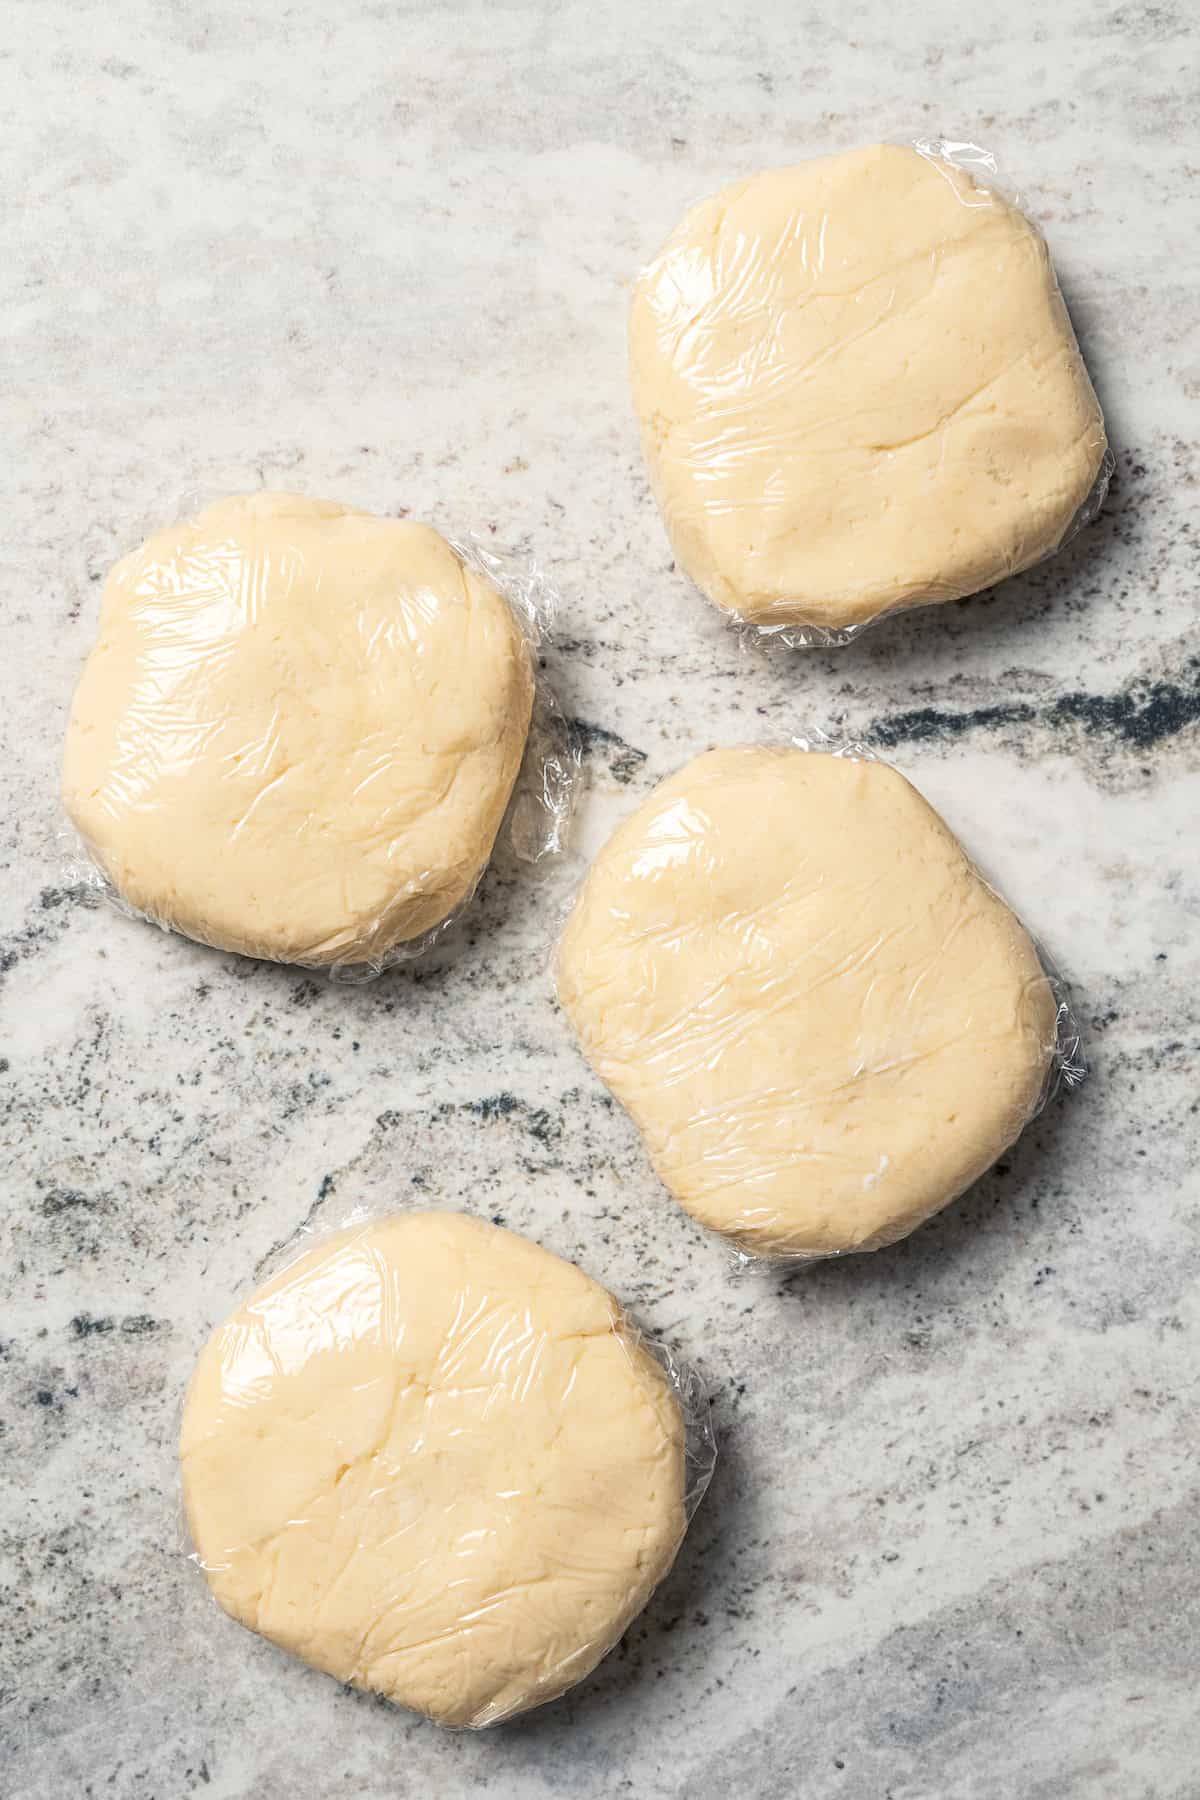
{"x": 380, "y": 253}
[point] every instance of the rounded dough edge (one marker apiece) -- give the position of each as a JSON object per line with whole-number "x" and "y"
{"x": 305, "y": 751}
{"x": 580, "y": 1425}
{"x": 1004, "y": 434}
{"x": 756, "y": 1139}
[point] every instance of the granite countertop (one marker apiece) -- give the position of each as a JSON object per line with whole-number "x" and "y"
{"x": 380, "y": 253}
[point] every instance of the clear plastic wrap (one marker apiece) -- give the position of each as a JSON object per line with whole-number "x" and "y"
{"x": 859, "y": 391}
{"x": 301, "y": 728}
{"x": 440, "y": 1463}
{"x": 823, "y": 1020}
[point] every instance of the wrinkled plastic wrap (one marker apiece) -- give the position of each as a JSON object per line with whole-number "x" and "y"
{"x": 440, "y": 1463}
{"x": 823, "y": 1020}
{"x": 859, "y": 391}
{"x": 301, "y": 728}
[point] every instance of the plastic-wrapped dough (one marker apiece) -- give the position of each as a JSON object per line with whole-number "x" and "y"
{"x": 859, "y": 390}
{"x": 438, "y": 1462}
{"x": 822, "y": 1019}
{"x": 300, "y": 727}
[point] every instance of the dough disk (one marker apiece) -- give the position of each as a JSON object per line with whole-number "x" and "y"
{"x": 298, "y": 730}
{"x": 859, "y": 390}
{"x": 433, "y": 1460}
{"x": 822, "y": 1020}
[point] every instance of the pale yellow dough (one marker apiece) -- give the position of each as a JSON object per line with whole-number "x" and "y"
{"x": 298, "y": 730}
{"x": 823, "y": 1021}
{"x": 433, "y": 1460}
{"x": 859, "y": 390}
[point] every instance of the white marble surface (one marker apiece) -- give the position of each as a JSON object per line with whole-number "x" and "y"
{"x": 379, "y": 252}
